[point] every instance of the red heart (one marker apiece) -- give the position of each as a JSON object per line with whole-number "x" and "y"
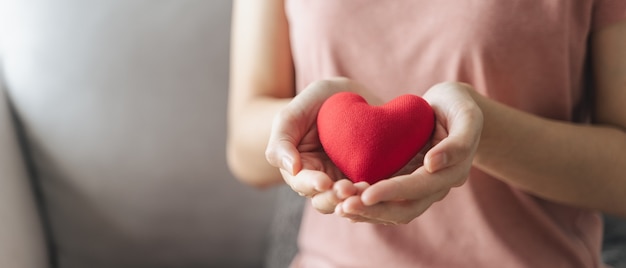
{"x": 370, "y": 143}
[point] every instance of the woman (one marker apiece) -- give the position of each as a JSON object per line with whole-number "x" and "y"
{"x": 531, "y": 144}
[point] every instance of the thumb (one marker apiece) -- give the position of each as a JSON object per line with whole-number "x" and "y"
{"x": 284, "y": 155}
{"x": 281, "y": 150}
{"x": 443, "y": 155}
{"x": 459, "y": 126}
{"x": 458, "y": 146}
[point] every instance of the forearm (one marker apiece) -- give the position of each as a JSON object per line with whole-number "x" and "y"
{"x": 249, "y": 131}
{"x": 261, "y": 84}
{"x": 575, "y": 164}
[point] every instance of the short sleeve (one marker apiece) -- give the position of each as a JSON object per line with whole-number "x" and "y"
{"x": 607, "y": 12}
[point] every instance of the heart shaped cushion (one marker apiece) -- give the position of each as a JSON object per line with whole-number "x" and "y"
{"x": 371, "y": 143}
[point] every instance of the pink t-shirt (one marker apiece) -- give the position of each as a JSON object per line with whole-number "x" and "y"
{"x": 527, "y": 54}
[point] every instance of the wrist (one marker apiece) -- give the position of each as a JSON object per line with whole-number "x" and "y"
{"x": 485, "y": 106}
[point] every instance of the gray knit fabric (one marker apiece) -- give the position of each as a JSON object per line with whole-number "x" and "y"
{"x": 283, "y": 238}
{"x": 614, "y": 245}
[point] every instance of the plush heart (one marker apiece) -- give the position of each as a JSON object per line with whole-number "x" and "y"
{"x": 371, "y": 143}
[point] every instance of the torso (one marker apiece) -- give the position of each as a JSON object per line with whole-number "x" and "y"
{"x": 527, "y": 54}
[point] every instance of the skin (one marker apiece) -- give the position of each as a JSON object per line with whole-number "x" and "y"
{"x": 272, "y": 133}
{"x": 261, "y": 84}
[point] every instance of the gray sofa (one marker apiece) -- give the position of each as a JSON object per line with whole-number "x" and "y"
{"x": 112, "y": 133}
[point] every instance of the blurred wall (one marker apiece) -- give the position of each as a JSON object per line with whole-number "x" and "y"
{"x": 123, "y": 108}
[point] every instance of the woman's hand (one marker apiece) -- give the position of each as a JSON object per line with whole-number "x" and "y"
{"x": 294, "y": 146}
{"x": 400, "y": 199}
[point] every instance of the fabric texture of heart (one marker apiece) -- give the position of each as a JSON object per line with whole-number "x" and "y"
{"x": 371, "y": 143}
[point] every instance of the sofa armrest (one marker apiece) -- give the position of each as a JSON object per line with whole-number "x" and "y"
{"x": 22, "y": 243}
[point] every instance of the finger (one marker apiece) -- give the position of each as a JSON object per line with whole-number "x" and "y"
{"x": 355, "y": 218}
{"x": 308, "y": 182}
{"x": 352, "y": 217}
{"x": 325, "y": 202}
{"x": 352, "y": 205}
{"x": 410, "y": 186}
{"x": 344, "y": 189}
{"x": 452, "y": 150}
{"x": 360, "y": 219}
{"x": 361, "y": 186}
{"x": 401, "y": 212}
{"x": 417, "y": 185}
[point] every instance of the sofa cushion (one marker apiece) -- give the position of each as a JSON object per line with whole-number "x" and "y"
{"x": 22, "y": 242}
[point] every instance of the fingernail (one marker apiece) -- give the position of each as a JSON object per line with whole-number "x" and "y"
{"x": 288, "y": 165}
{"x": 438, "y": 162}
